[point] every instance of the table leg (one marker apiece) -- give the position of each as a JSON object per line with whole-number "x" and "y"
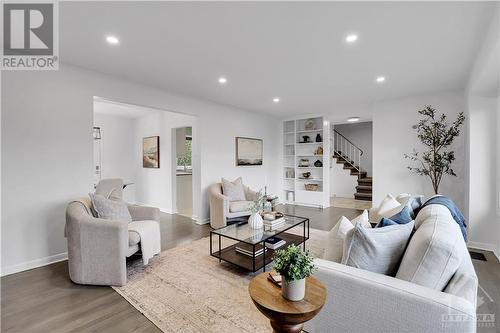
{"x": 220, "y": 260}
{"x": 264, "y": 254}
{"x": 304, "y": 234}
{"x": 253, "y": 257}
{"x": 286, "y": 328}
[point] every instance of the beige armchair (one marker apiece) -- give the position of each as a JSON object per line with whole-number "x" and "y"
{"x": 222, "y": 210}
{"x": 98, "y": 248}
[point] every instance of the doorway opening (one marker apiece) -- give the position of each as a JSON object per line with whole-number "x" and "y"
{"x": 183, "y": 156}
{"x": 351, "y": 173}
{"x": 139, "y": 145}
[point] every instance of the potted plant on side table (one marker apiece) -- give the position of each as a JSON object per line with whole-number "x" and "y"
{"x": 294, "y": 265}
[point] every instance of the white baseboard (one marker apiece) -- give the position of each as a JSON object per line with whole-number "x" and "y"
{"x": 485, "y": 247}
{"x": 162, "y": 209}
{"x": 201, "y": 221}
{"x": 33, "y": 264}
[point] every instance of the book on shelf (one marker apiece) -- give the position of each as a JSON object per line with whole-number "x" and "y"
{"x": 274, "y": 243}
{"x": 247, "y": 249}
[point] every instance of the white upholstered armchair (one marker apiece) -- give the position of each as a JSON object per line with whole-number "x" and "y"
{"x": 98, "y": 248}
{"x": 222, "y": 210}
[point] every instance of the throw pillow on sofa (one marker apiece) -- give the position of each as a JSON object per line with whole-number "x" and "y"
{"x": 389, "y": 206}
{"x": 402, "y": 217}
{"x": 434, "y": 252}
{"x": 233, "y": 190}
{"x": 110, "y": 209}
{"x": 413, "y": 202}
{"x": 335, "y": 242}
{"x": 376, "y": 250}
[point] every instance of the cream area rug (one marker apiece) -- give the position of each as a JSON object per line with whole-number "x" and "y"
{"x": 184, "y": 289}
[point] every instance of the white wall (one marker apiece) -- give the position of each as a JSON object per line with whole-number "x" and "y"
{"x": 118, "y": 155}
{"x": 47, "y": 151}
{"x": 484, "y": 226}
{"x": 483, "y": 96}
{"x": 361, "y": 135}
{"x": 156, "y": 186}
{"x": 393, "y": 136}
{"x": 342, "y": 184}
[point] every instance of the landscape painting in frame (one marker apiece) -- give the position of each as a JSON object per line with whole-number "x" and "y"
{"x": 151, "y": 152}
{"x": 249, "y": 151}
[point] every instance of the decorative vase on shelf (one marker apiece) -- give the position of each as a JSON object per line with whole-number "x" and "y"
{"x": 294, "y": 290}
{"x": 255, "y": 221}
{"x": 318, "y": 164}
{"x": 305, "y": 138}
{"x": 319, "y": 138}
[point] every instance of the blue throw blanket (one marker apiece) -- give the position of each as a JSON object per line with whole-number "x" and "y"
{"x": 455, "y": 212}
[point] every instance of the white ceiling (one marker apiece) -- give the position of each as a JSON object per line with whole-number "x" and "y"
{"x": 288, "y": 49}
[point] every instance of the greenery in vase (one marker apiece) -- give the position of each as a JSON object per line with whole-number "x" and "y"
{"x": 258, "y": 202}
{"x": 293, "y": 263}
{"x": 437, "y": 135}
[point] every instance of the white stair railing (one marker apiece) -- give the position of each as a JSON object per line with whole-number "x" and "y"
{"x": 348, "y": 151}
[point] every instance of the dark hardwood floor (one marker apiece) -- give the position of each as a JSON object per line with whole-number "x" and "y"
{"x": 45, "y": 300}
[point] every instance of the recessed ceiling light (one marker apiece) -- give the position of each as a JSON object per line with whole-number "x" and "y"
{"x": 276, "y": 100}
{"x": 222, "y": 80}
{"x": 351, "y": 38}
{"x": 112, "y": 40}
{"x": 352, "y": 119}
{"x": 380, "y": 79}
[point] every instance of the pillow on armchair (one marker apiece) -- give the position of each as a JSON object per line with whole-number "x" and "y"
{"x": 110, "y": 209}
{"x": 233, "y": 190}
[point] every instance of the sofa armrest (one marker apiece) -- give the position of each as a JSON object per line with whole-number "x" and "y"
{"x": 97, "y": 249}
{"x": 362, "y": 301}
{"x": 219, "y": 207}
{"x": 141, "y": 213}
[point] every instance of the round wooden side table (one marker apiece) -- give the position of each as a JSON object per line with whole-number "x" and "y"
{"x": 286, "y": 316}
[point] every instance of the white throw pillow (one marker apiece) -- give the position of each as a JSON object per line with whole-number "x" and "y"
{"x": 335, "y": 240}
{"x": 363, "y": 219}
{"x": 233, "y": 190}
{"x": 376, "y": 250}
{"x": 389, "y": 207}
{"x": 335, "y": 243}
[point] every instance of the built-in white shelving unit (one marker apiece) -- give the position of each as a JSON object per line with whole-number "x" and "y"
{"x": 303, "y": 140}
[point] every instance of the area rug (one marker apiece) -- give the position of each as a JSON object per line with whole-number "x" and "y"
{"x": 186, "y": 290}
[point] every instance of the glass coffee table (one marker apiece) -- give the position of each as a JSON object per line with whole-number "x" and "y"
{"x": 242, "y": 238}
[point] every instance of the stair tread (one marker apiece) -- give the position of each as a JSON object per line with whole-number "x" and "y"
{"x": 364, "y": 187}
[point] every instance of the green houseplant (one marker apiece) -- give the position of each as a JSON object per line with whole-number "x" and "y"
{"x": 294, "y": 265}
{"x": 436, "y": 134}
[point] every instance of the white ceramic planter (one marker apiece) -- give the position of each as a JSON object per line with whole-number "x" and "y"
{"x": 294, "y": 290}
{"x": 255, "y": 221}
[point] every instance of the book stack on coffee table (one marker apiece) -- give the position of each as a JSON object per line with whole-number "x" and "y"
{"x": 271, "y": 224}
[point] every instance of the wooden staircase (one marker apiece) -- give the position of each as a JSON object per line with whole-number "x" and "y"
{"x": 364, "y": 188}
